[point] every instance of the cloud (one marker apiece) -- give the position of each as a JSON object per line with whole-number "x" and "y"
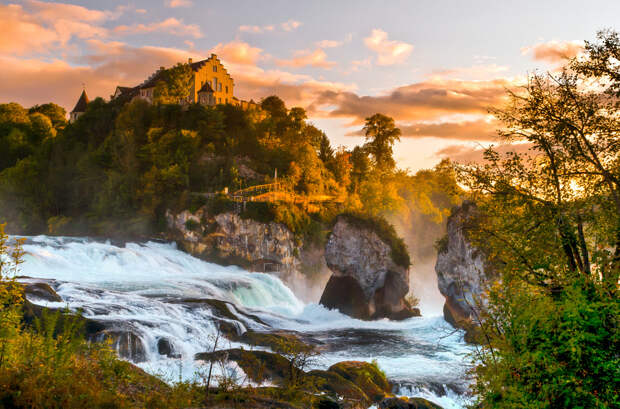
{"x": 476, "y": 130}
{"x": 554, "y": 52}
{"x": 389, "y": 52}
{"x": 475, "y": 72}
{"x": 178, "y": 3}
{"x": 289, "y": 25}
{"x": 304, "y": 58}
{"x": 423, "y": 101}
{"x": 43, "y": 27}
{"x": 238, "y": 52}
{"x": 475, "y": 154}
{"x": 329, "y": 43}
{"x": 170, "y": 25}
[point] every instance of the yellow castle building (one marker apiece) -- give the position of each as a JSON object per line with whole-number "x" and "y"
{"x": 211, "y": 84}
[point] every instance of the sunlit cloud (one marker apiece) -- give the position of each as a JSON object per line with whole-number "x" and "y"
{"x": 304, "y": 58}
{"x": 170, "y": 25}
{"x": 465, "y": 154}
{"x": 290, "y": 25}
{"x": 554, "y": 52}
{"x": 178, "y": 3}
{"x": 43, "y": 27}
{"x": 238, "y": 52}
{"x": 329, "y": 43}
{"x": 389, "y": 52}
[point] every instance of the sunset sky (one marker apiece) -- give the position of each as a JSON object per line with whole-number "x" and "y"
{"x": 435, "y": 66}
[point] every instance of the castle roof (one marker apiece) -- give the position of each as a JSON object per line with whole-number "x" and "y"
{"x": 82, "y": 103}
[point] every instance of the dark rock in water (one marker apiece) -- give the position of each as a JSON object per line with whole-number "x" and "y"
{"x": 127, "y": 344}
{"x": 368, "y": 377}
{"x": 366, "y": 282}
{"x": 164, "y": 347}
{"x": 327, "y": 403}
{"x": 404, "y": 403}
{"x": 260, "y": 366}
{"x": 41, "y": 291}
{"x": 346, "y": 295}
{"x": 463, "y": 270}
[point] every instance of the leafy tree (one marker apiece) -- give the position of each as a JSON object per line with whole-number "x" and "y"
{"x": 55, "y": 113}
{"x": 550, "y": 225}
{"x": 381, "y": 133}
{"x": 174, "y": 85}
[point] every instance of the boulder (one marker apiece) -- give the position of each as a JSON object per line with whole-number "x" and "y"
{"x": 407, "y": 403}
{"x": 366, "y": 282}
{"x": 127, "y": 344}
{"x": 462, "y": 270}
{"x": 41, "y": 291}
{"x": 368, "y": 377}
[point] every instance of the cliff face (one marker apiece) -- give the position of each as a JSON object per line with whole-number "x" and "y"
{"x": 229, "y": 239}
{"x": 462, "y": 270}
{"x": 366, "y": 283}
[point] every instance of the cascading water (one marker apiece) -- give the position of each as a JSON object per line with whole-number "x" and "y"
{"x": 145, "y": 288}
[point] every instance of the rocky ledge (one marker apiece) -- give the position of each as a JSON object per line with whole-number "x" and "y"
{"x": 462, "y": 270}
{"x": 366, "y": 282}
{"x": 227, "y": 238}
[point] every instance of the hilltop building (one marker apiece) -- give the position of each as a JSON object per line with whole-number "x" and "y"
{"x": 80, "y": 107}
{"x": 211, "y": 84}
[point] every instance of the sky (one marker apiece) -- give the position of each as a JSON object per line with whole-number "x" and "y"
{"x": 435, "y": 66}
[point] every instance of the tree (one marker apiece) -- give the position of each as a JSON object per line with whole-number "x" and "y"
{"x": 381, "y": 133}
{"x": 174, "y": 85}
{"x": 550, "y": 224}
{"x": 55, "y": 113}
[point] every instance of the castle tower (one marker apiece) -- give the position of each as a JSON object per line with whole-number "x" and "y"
{"x": 80, "y": 107}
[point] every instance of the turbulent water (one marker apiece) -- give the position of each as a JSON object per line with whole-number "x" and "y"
{"x": 140, "y": 285}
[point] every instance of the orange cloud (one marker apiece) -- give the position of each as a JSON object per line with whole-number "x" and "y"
{"x": 423, "y": 101}
{"x": 304, "y": 58}
{"x": 388, "y": 52}
{"x": 554, "y": 51}
{"x": 46, "y": 26}
{"x": 170, "y": 25}
{"x": 238, "y": 52}
{"x": 465, "y": 154}
{"x": 179, "y": 3}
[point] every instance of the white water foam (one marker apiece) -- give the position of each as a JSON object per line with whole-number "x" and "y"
{"x": 140, "y": 285}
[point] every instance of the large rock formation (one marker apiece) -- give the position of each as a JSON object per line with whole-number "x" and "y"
{"x": 462, "y": 270}
{"x": 366, "y": 282}
{"x": 229, "y": 239}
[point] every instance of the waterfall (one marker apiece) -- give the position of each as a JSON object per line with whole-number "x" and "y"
{"x": 156, "y": 291}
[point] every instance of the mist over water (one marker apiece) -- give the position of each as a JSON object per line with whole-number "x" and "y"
{"x": 141, "y": 286}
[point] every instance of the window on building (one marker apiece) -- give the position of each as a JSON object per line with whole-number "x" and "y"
{"x": 227, "y": 89}
{"x": 220, "y": 84}
{"x": 226, "y": 100}
{"x": 214, "y": 84}
{"x": 219, "y": 100}
{"x": 215, "y": 68}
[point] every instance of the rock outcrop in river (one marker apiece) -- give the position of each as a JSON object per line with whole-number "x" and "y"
{"x": 462, "y": 270}
{"x": 366, "y": 282}
{"x": 227, "y": 238}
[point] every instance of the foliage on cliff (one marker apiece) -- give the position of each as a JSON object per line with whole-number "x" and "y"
{"x": 122, "y": 164}
{"x": 386, "y": 232}
{"x": 551, "y": 225}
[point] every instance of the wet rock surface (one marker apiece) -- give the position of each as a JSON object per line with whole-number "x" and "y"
{"x": 366, "y": 282}
{"x": 407, "y": 403}
{"x": 462, "y": 270}
{"x": 227, "y": 238}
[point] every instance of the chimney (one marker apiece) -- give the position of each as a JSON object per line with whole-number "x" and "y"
{"x": 214, "y": 56}
{"x": 161, "y": 68}
{"x": 189, "y": 60}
